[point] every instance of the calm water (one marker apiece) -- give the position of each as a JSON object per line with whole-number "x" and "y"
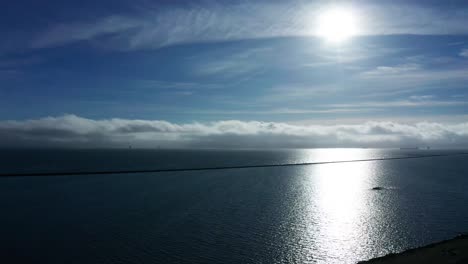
{"x": 306, "y": 214}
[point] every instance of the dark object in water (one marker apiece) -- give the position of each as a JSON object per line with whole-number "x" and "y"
{"x": 378, "y": 188}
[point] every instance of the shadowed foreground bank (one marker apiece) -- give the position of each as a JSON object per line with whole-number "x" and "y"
{"x": 448, "y": 251}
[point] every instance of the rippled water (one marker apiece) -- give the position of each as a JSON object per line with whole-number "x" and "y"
{"x": 319, "y": 214}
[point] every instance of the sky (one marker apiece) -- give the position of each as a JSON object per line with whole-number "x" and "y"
{"x": 232, "y": 74}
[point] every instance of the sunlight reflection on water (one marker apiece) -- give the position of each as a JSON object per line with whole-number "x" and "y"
{"x": 337, "y": 207}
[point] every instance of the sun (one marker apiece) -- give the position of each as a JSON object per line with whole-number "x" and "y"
{"x": 337, "y": 25}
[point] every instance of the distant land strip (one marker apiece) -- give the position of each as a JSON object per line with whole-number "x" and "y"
{"x": 447, "y": 251}
{"x": 68, "y": 173}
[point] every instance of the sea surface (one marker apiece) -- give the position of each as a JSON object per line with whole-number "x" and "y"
{"x": 323, "y": 213}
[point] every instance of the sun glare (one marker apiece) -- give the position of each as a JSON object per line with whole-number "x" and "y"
{"x": 337, "y": 25}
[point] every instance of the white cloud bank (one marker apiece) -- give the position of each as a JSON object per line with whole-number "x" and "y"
{"x": 75, "y": 131}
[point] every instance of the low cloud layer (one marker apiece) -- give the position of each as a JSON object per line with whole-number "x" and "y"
{"x": 74, "y": 131}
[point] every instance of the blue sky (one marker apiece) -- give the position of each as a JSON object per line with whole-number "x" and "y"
{"x": 203, "y": 62}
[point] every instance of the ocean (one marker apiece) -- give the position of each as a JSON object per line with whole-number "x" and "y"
{"x": 323, "y": 213}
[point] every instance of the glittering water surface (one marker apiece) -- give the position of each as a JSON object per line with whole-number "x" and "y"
{"x": 319, "y": 214}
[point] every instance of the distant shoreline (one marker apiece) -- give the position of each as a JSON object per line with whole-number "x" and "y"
{"x": 453, "y": 250}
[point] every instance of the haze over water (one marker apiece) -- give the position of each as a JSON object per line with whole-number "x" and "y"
{"x": 324, "y": 213}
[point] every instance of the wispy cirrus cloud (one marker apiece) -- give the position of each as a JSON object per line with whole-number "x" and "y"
{"x": 236, "y": 63}
{"x": 156, "y": 27}
{"x": 65, "y": 33}
{"x": 418, "y": 101}
{"x": 208, "y": 22}
{"x": 410, "y": 77}
{"x": 75, "y": 131}
{"x": 282, "y": 111}
{"x": 464, "y": 53}
{"x": 409, "y": 103}
{"x": 422, "y": 97}
{"x": 391, "y": 71}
